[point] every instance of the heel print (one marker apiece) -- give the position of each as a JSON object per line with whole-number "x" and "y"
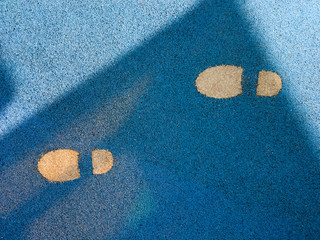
{"x": 269, "y": 84}
{"x": 102, "y": 161}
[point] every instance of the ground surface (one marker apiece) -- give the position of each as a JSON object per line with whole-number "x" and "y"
{"x": 120, "y": 75}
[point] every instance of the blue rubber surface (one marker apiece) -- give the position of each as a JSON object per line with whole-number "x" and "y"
{"x": 87, "y": 75}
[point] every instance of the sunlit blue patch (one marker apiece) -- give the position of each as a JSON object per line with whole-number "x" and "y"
{"x": 53, "y": 47}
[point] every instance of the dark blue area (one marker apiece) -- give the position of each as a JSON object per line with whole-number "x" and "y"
{"x": 252, "y": 150}
{"x": 6, "y": 88}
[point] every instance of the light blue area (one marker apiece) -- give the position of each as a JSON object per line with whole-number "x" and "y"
{"x": 52, "y": 47}
{"x": 290, "y": 35}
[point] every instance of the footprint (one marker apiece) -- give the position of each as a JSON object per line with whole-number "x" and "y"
{"x": 269, "y": 84}
{"x": 217, "y": 82}
{"x": 102, "y": 161}
{"x": 62, "y": 165}
{"x": 220, "y": 81}
{"x": 225, "y": 82}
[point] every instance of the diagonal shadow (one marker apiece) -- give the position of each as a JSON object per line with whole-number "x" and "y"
{"x": 6, "y": 88}
{"x": 251, "y": 149}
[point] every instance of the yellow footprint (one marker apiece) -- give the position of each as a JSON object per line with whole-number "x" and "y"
{"x": 62, "y": 165}
{"x": 225, "y": 82}
{"x": 102, "y": 161}
{"x": 217, "y": 82}
{"x": 220, "y": 81}
{"x": 269, "y": 84}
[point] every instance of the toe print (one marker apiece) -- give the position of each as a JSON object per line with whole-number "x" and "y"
{"x": 269, "y": 84}
{"x": 60, "y": 165}
{"x": 220, "y": 81}
{"x": 102, "y": 161}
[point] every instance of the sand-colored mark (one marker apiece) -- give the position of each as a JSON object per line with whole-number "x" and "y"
{"x": 269, "y": 84}
{"x": 220, "y": 82}
{"x": 102, "y": 161}
{"x": 60, "y": 165}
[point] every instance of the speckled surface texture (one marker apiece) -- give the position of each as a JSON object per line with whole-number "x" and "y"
{"x": 87, "y": 75}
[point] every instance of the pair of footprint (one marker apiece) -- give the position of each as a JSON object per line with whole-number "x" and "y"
{"x": 62, "y": 165}
{"x": 225, "y": 82}
{"x": 217, "y": 82}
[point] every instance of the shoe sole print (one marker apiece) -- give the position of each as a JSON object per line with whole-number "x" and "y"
{"x": 219, "y": 82}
